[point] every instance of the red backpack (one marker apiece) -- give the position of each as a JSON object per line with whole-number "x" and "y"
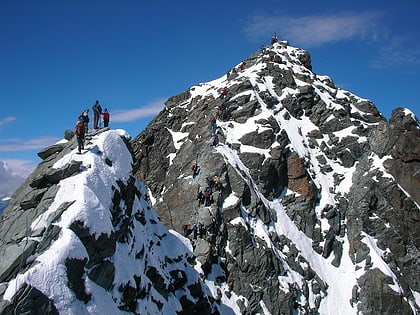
{"x": 80, "y": 129}
{"x": 106, "y": 116}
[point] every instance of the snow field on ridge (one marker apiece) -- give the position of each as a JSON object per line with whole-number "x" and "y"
{"x": 91, "y": 192}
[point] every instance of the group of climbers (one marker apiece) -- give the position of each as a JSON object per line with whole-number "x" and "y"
{"x": 234, "y": 71}
{"x": 197, "y": 230}
{"x": 222, "y": 113}
{"x": 97, "y": 113}
{"x": 206, "y": 197}
{"x": 212, "y": 182}
{"x": 82, "y": 125}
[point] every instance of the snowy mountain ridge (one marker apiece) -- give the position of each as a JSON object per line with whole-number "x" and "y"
{"x": 104, "y": 245}
{"x": 303, "y": 200}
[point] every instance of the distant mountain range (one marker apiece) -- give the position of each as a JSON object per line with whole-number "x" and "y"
{"x": 3, "y": 204}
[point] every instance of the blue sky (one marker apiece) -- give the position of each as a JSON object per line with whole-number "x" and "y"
{"x": 58, "y": 57}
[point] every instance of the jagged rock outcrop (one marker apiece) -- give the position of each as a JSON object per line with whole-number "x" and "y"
{"x": 398, "y": 139}
{"x": 301, "y": 163}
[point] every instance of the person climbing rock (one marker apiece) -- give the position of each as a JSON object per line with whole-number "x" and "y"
{"x": 223, "y": 112}
{"x": 196, "y": 169}
{"x": 221, "y": 108}
{"x": 217, "y": 183}
{"x": 195, "y": 231}
{"x": 208, "y": 196}
{"x": 209, "y": 181}
{"x": 200, "y": 196}
{"x": 201, "y": 230}
{"x": 186, "y": 229}
{"x": 213, "y": 125}
{"x": 215, "y": 141}
{"x": 224, "y": 92}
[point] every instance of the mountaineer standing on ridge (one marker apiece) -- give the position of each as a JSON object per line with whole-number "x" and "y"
{"x": 84, "y": 118}
{"x": 97, "y": 111}
{"x": 105, "y": 117}
{"x": 274, "y": 38}
{"x": 80, "y": 135}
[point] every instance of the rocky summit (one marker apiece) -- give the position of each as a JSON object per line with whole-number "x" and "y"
{"x": 266, "y": 191}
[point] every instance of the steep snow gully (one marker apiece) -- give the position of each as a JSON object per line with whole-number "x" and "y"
{"x": 306, "y": 220}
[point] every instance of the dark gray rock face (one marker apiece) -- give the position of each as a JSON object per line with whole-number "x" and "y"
{"x": 399, "y": 139}
{"x": 31, "y": 301}
{"x": 30, "y": 200}
{"x": 292, "y": 144}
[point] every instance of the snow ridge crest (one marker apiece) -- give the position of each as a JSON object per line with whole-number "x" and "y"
{"x": 95, "y": 245}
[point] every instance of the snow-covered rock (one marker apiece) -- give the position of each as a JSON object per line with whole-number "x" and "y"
{"x": 87, "y": 241}
{"x": 309, "y": 173}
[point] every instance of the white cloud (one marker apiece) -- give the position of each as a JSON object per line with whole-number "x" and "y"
{"x": 318, "y": 29}
{"x": 315, "y": 30}
{"x": 12, "y": 174}
{"x": 6, "y": 120}
{"x": 134, "y": 114}
{"x": 17, "y": 144}
{"x": 394, "y": 53}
